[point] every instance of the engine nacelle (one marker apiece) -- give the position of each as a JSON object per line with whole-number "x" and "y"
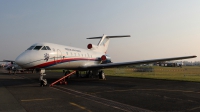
{"x": 91, "y": 46}
{"x": 105, "y": 59}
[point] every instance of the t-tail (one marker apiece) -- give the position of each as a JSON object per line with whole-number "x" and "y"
{"x": 102, "y": 46}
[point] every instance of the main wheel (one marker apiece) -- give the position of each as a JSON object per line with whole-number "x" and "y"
{"x": 100, "y": 74}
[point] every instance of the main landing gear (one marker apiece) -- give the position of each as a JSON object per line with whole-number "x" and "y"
{"x": 102, "y": 75}
{"x": 98, "y": 73}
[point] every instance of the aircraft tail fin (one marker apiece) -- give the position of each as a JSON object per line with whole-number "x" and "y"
{"x": 102, "y": 46}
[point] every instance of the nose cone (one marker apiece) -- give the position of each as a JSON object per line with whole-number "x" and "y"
{"x": 21, "y": 60}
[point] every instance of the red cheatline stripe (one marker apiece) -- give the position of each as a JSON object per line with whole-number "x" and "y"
{"x": 51, "y": 63}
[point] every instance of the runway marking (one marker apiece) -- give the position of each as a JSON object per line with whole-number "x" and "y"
{"x": 193, "y": 108}
{"x": 103, "y": 101}
{"x": 123, "y": 90}
{"x": 81, "y": 107}
{"x": 36, "y": 100}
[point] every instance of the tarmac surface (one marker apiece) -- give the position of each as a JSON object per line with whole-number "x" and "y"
{"x": 21, "y": 93}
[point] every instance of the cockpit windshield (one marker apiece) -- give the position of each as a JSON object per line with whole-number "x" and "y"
{"x": 48, "y": 48}
{"x": 44, "y": 48}
{"x": 37, "y": 47}
{"x": 30, "y": 48}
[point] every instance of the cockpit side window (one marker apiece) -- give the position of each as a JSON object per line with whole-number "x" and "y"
{"x": 37, "y": 47}
{"x": 44, "y": 48}
{"x": 30, "y": 48}
{"x": 48, "y": 48}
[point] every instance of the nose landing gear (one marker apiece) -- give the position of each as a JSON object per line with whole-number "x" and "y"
{"x": 43, "y": 82}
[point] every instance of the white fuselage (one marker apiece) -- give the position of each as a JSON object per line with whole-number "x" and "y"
{"x": 54, "y": 56}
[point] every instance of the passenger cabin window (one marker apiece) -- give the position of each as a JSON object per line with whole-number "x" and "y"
{"x": 37, "y": 47}
{"x": 48, "y": 48}
{"x": 44, "y": 48}
{"x": 30, "y": 48}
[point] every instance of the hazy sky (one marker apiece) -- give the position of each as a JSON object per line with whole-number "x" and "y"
{"x": 158, "y": 28}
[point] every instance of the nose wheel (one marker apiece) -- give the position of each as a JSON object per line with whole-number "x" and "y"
{"x": 43, "y": 82}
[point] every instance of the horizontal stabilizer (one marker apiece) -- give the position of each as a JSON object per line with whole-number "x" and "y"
{"x": 118, "y": 36}
{"x": 102, "y": 46}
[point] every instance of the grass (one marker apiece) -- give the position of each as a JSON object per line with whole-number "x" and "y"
{"x": 186, "y": 73}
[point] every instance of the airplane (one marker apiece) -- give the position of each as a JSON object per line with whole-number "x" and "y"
{"x": 44, "y": 56}
{"x": 11, "y": 66}
{"x": 3, "y": 65}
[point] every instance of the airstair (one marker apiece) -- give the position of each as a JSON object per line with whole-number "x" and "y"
{"x": 62, "y": 80}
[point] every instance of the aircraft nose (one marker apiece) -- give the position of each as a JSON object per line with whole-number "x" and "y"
{"x": 20, "y": 60}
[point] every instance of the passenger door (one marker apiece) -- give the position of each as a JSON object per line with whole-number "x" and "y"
{"x": 59, "y": 56}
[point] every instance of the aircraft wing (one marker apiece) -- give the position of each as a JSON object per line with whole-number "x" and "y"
{"x": 111, "y": 65}
{"x": 7, "y": 61}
